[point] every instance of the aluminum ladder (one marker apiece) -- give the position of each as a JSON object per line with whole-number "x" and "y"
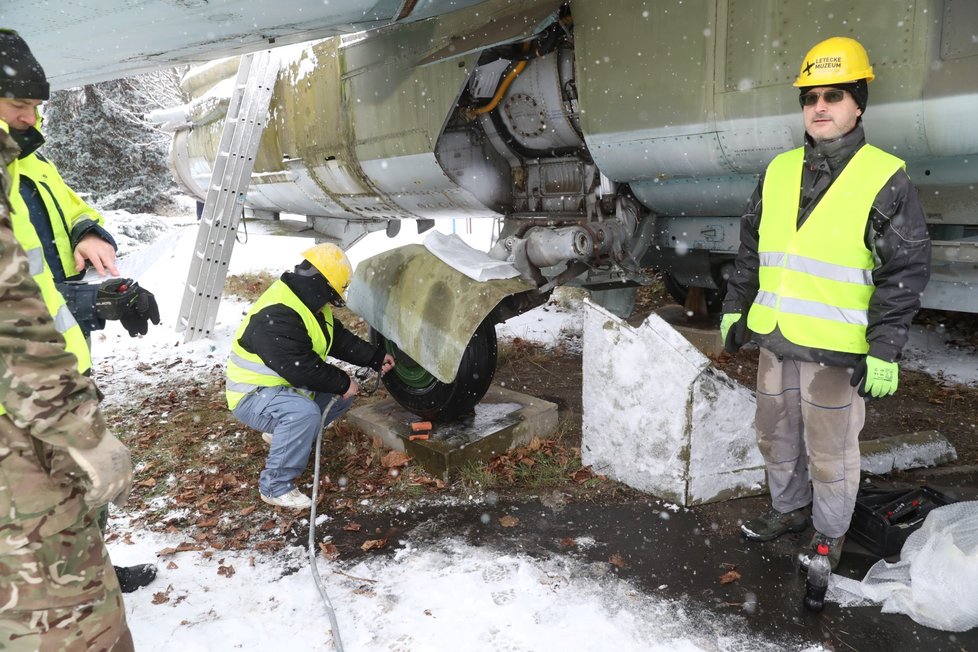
{"x": 247, "y": 116}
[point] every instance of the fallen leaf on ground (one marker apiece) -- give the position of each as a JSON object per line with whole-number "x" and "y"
{"x": 330, "y": 551}
{"x": 509, "y": 521}
{"x": 373, "y": 544}
{"x": 729, "y": 576}
{"x": 395, "y": 459}
{"x": 616, "y": 560}
{"x": 183, "y": 547}
{"x": 582, "y": 475}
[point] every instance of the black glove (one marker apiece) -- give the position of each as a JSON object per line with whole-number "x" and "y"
{"x": 124, "y": 300}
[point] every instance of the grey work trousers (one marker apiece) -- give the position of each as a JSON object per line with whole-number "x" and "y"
{"x": 808, "y": 423}
{"x": 293, "y": 417}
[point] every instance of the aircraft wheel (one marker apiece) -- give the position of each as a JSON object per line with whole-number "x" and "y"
{"x": 418, "y": 391}
{"x": 678, "y": 291}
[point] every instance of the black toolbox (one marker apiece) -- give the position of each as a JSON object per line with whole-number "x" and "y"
{"x": 884, "y": 518}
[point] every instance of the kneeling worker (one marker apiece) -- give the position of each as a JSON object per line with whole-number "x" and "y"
{"x": 278, "y": 379}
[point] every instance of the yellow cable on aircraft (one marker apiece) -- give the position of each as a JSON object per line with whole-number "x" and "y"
{"x": 486, "y": 108}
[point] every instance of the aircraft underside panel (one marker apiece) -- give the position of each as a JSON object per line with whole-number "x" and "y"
{"x": 614, "y": 113}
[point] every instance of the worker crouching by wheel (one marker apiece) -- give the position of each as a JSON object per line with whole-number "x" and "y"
{"x": 278, "y": 379}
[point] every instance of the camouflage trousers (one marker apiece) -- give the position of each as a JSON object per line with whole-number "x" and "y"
{"x": 60, "y": 593}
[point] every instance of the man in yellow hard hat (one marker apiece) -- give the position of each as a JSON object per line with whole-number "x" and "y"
{"x": 278, "y": 377}
{"x": 834, "y": 256}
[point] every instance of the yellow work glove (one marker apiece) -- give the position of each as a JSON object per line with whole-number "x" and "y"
{"x": 733, "y": 330}
{"x": 875, "y": 377}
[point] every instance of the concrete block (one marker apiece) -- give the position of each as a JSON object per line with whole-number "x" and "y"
{"x": 660, "y": 418}
{"x": 910, "y": 451}
{"x": 503, "y": 420}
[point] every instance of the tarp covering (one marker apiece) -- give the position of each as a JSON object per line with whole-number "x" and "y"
{"x": 936, "y": 580}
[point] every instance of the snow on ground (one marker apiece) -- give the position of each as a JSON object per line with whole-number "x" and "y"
{"x": 447, "y": 596}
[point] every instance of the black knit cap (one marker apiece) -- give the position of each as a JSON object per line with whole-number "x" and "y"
{"x": 21, "y": 76}
{"x": 859, "y": 90}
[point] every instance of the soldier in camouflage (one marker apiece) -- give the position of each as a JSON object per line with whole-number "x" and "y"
{"x": 58, "y": 461}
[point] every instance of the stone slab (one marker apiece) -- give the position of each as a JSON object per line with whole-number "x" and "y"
{"x": 660, "y": 418}
{"x": 909, "y": 451}
{"x": 503, "y": 420}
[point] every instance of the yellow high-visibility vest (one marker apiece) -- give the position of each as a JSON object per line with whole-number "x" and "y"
{"x": 27, "y": 237}
{"x": 64, "y": 207}
{"x": 246, "y": 372}
{"x": 816, "y": 281}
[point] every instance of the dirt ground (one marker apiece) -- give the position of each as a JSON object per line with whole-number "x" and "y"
{"x": 922, "y": 403}
{"x": 198, "y": 467}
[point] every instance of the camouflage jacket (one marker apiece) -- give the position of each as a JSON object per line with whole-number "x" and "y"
{"x": 49, "y": 404}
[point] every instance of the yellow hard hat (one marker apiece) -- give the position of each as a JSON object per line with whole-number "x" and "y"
{"x": 837, "y": 60}
{"x": 331, "y": 263}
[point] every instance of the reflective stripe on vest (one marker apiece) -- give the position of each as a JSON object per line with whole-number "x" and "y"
{"x": 63, "y": 206}
{"x": 816, "y": 281}
{"x": 246, "y": 371}
{"x": 27, "y": 238}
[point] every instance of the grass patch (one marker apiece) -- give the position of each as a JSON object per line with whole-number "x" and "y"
{"x": 249, "y": 286}
{"x": 518, "y": 351}
{"x": 541, "y": 464}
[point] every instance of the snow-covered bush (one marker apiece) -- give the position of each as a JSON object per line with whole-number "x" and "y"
{"x": 104, "y": 148}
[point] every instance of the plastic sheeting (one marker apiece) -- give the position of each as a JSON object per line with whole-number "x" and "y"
{"x": 936, "y": 580}
{"x": 475, "y": 264}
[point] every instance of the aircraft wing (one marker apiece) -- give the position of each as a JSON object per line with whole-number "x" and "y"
{"x": 85, "y": 41}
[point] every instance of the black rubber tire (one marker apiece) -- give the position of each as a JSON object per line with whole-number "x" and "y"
{"x": 678, "y": 291}
{"x": 420, "y": 392}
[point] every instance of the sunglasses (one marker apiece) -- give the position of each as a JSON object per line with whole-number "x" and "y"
{"x": 830, "y": 96}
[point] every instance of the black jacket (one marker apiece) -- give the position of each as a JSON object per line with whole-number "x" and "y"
{"x": 896, "y": 233}
{"x": 278, "y": 336}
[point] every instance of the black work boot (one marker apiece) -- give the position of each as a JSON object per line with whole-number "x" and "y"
{"x": 134, "y": 577}
{"x": 772, "y": 524}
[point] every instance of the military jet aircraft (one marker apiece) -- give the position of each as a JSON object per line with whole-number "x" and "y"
{"x": 609, "y": 137}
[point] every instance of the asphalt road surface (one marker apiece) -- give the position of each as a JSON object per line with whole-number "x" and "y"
{"x": 683, "y": 553}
